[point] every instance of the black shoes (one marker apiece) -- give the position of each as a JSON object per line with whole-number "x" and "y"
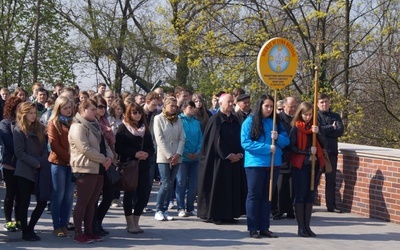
{"x": 268, "y": 234}
{"x": 254, "y": 235}
{"x": 30, "y": 236}
{"x": 334, "y": 210}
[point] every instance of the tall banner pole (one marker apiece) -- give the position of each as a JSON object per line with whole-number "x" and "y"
{"x": 315, "y": 122}
{"x": 271, "y": 179}
{"x": 276, "y": 66}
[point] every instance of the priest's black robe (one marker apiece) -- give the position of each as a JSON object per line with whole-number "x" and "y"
{"x": 222, "y": 186}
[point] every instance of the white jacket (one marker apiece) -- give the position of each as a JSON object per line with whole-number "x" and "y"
{"x": 169, "y": 137}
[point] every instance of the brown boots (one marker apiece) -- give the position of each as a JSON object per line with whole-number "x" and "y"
{"x": 132, "y": 222}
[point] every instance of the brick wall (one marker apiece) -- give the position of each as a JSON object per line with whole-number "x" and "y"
{"x": 368, "y": 182}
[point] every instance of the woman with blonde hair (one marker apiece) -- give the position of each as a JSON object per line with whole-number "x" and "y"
{"x": 61, "y": 174}
{"x": 32, "y": 168}
{"x": 170, "y": 139}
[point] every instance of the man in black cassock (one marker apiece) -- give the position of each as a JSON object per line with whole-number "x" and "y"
{"x": 222, "y": 182}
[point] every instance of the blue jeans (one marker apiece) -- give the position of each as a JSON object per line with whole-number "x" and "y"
{"x": 167, "y": 178}
{"x": 186, "y": 180}
{"x": 258, "y": 206}
{"x": 62, "y": 196}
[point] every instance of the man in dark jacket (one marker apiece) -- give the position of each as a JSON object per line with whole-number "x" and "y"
{"x": 243, "y": 102}
{"x": 332, "y": 127}
{"x": 282, "y": 200}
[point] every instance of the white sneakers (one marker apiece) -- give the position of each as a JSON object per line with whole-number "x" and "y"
{"x": 182, "y": 213}
{"x": 167, "y": 217}
{"x": 160, "y": 216}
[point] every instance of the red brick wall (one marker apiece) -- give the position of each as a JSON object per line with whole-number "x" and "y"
{"x": 368, "y": 182}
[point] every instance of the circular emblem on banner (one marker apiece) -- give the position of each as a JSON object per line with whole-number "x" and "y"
{"x": 277, "y": 63}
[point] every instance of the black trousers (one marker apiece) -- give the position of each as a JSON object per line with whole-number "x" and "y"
{"x": 11, "y": 200}
{"x": 330, "y": 184}
{"x": 25, "y": 188}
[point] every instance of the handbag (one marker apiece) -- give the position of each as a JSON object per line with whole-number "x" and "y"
{"x": 129, "y": 175}
{"x": 328, "y": 164}
{"x": 112, "y": 174}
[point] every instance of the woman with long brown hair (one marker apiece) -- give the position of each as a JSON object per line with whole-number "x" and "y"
{"x": 301, "y": 149}
{"x": 134, "y": 142}
{"x": 32, "y": 169}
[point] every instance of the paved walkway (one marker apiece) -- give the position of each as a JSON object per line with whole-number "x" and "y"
{"x": 335, "y": 231}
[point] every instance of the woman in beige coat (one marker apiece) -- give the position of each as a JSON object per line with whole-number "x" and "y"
{"x": 88, "y": 162}
{"x": 170, "y": 139}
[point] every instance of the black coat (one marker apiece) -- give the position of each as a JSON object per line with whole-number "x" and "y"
{"x": 127, "y": 144}
{"x": 222, "y": 184}
{"x": 285, "y": 120}
{"x": 325, "y": 121}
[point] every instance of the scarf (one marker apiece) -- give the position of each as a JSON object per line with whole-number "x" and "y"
{"x": 136, "y": 132}
{"x": 65, "y": 120}
{"x": 171, "y": 118}
{"x": 302, "y": 142}
{"x": 92, "y": 126}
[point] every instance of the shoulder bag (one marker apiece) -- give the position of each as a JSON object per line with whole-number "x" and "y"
{"x": 129, "y": 174}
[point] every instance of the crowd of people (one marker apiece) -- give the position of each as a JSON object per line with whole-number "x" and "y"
{"x": 60, "y": 145}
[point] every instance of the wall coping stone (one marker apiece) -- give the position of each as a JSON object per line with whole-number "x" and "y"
{"x": 369, "y": 151}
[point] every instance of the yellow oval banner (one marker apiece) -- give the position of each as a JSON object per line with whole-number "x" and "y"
{"x": 277, "y": 62}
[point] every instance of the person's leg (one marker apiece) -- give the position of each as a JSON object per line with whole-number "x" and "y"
{"x": 301, "y": 183}
{"x": 171, "y": 186}
{"x": 193, "y": 171}
{"x": 255, "y": 183}
{"x": 142, "y": 191}
{"x": 108, "y": 195}
{"x": 330, "y": 185}
{"x": 180, "y": 191}
{"x": 98, "y": 181}
{"x": 58, "y": 174}
{"x": 85, "y": 188}
{"x": 67, "y": 202}
{"x": 11, "y": 192}
{"x": 25, "y": 188}
{"x": 163, "y": 191}
{"x": 36, "y": 214}
{"x": 265, "y": 205}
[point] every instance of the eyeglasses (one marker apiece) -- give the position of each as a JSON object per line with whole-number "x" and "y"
{"x": 101, "y": 107}
{"x": 280, "y": 109}
{"x": 136, "y": 112}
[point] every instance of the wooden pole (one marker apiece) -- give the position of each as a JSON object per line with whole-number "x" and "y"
{"x": 271, "y": 178}
{"x": 315, "y": 122}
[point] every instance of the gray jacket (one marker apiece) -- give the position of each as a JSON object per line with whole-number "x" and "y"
{"x": 27, "y": 149}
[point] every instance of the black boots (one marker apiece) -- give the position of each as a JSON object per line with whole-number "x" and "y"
{"x": 307, "y": 218}
{"x": 299, "y": 211}
{"x": 303, "y": 217}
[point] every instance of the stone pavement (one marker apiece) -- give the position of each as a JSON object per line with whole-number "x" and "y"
{"x": 335, "y": 231}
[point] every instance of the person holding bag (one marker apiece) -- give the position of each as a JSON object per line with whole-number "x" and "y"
{"x": 88, "y": 167}
{"x": 134, "y": 143}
